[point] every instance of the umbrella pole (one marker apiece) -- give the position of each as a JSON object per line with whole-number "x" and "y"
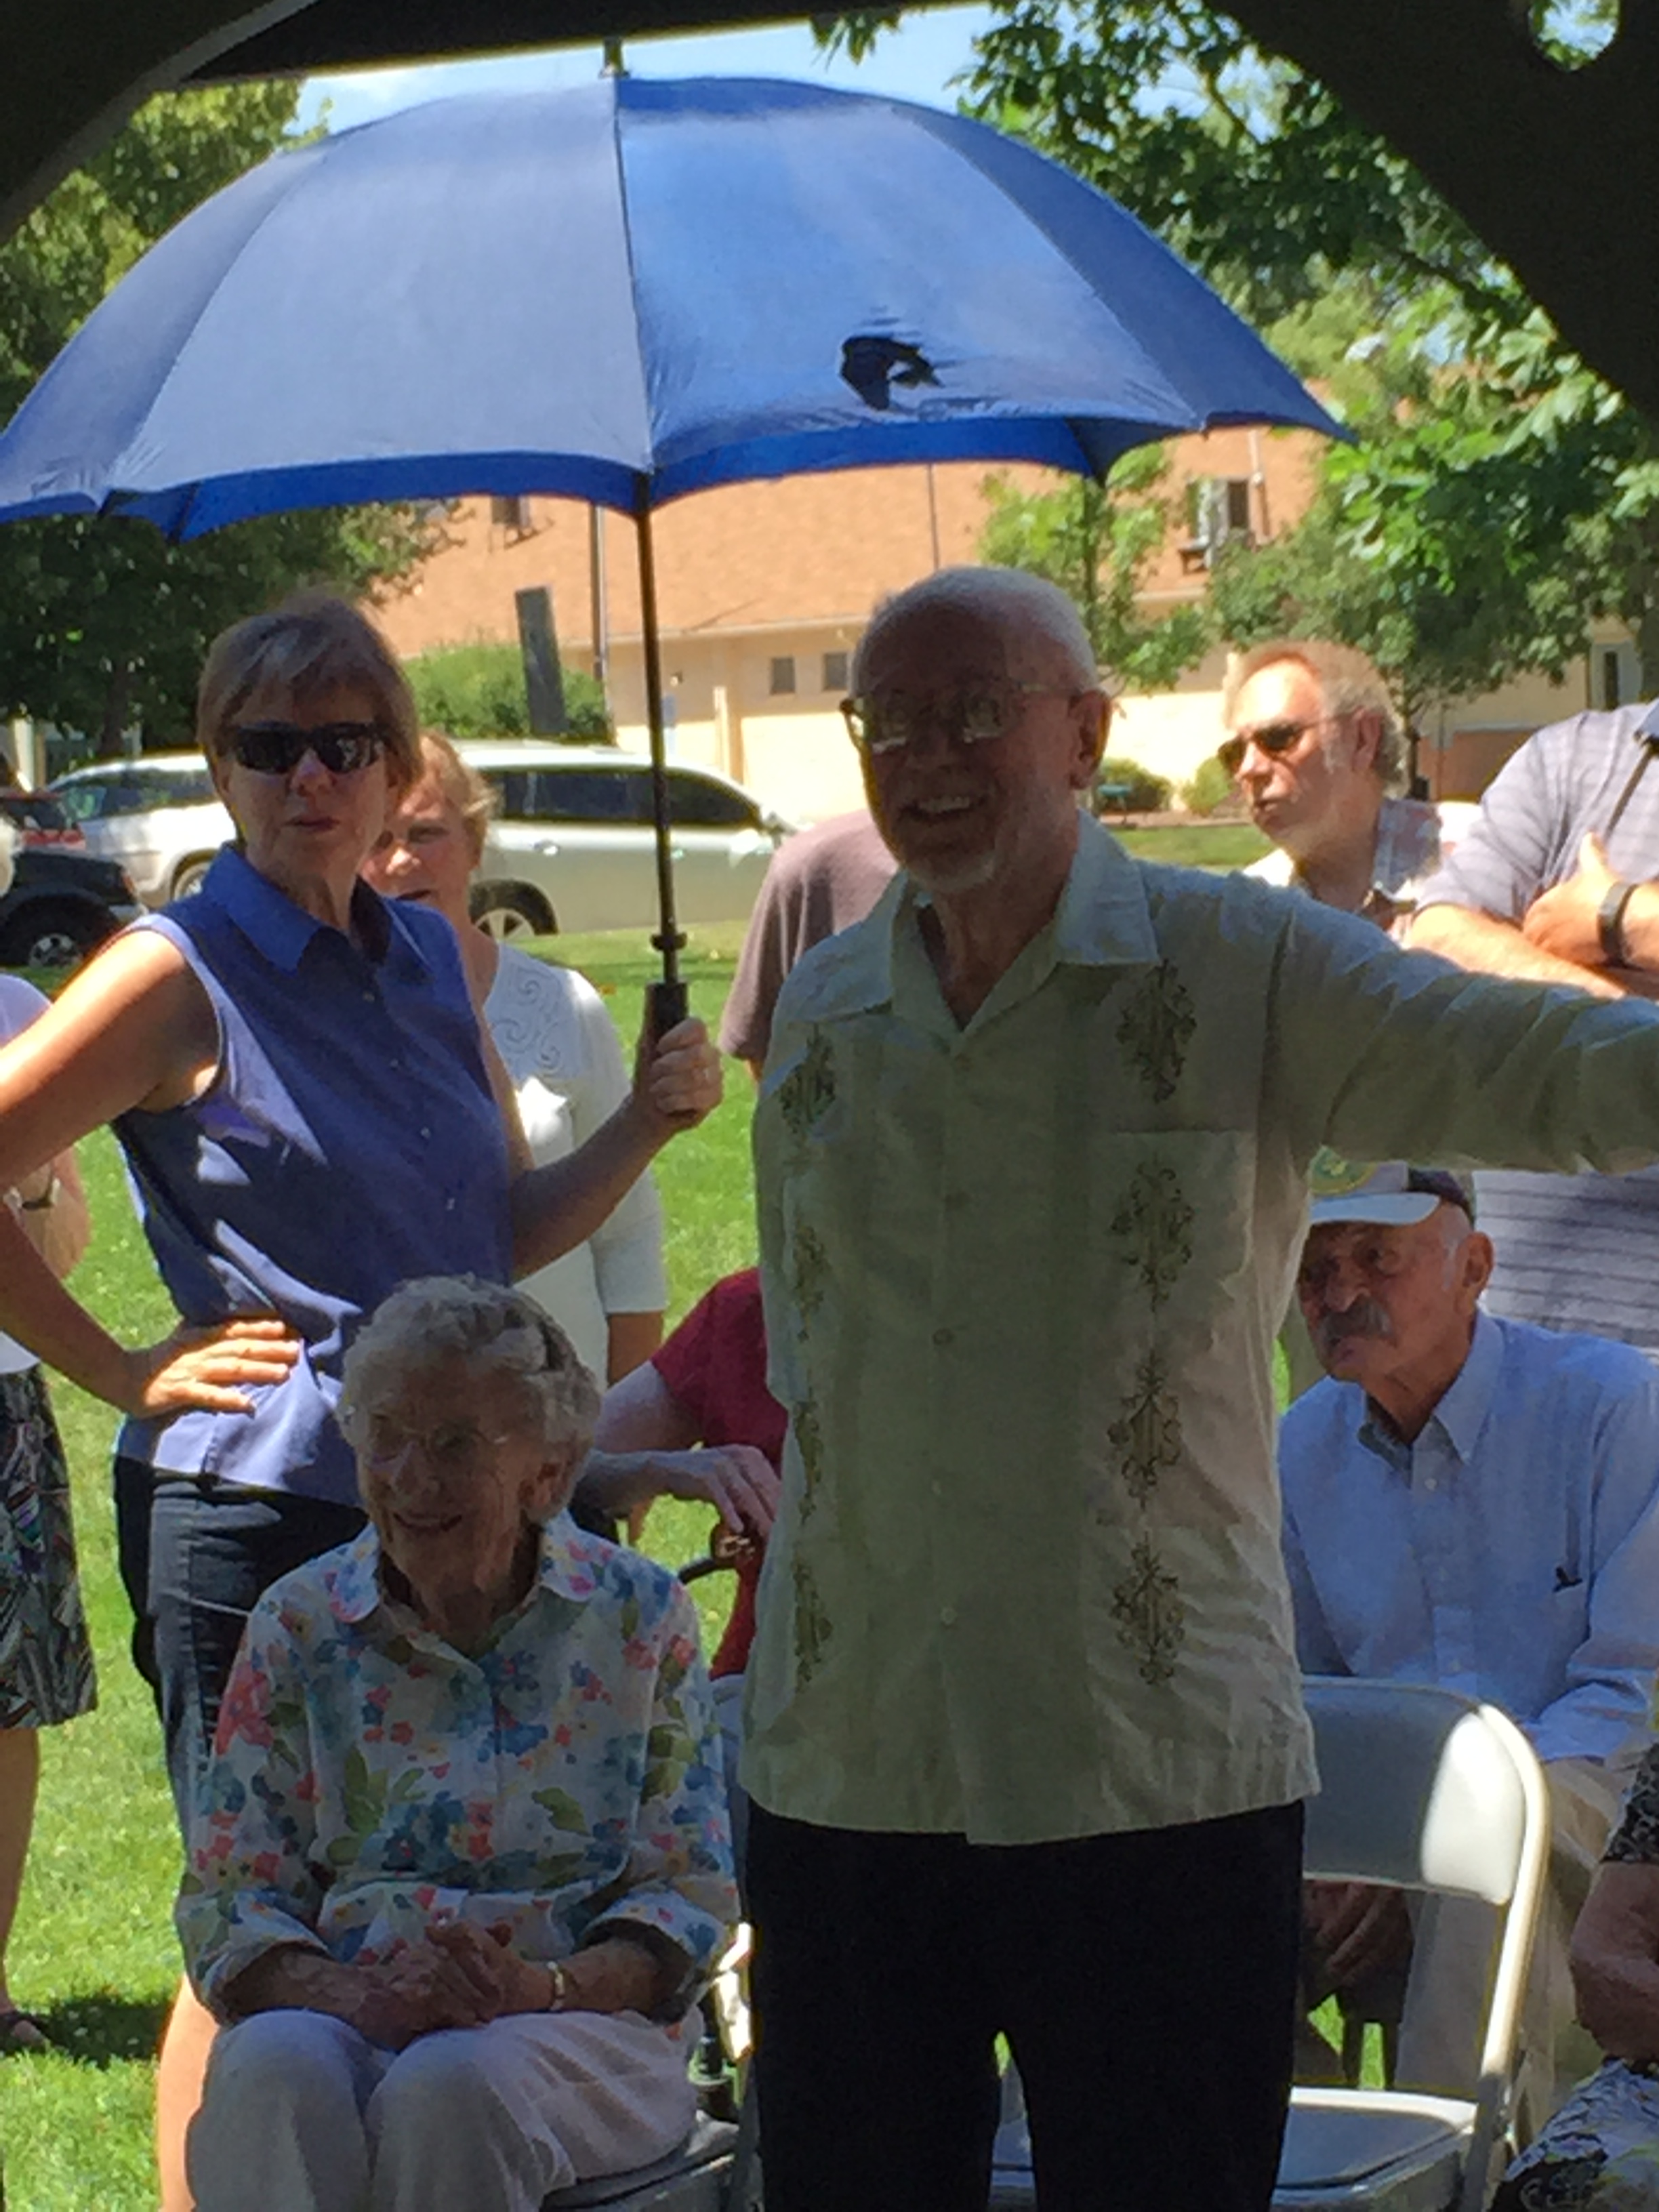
{"x": 669, "y": 999}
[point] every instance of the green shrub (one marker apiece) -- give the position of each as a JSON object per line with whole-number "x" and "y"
{"x": 1148, "y": 793}
{"x": 477, "y": 691}
{"x": 1211, "y": 787}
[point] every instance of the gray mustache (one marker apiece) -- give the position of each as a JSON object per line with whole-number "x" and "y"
{"x": 1364, "y": 1318}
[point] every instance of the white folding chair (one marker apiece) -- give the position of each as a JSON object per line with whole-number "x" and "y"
{"x": 1425, "y": 1791}
{"x": 1422, "y": 1789}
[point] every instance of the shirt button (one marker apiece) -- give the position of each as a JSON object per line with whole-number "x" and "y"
{"x": 948, "y": 1617}
{"x": 1429, "y": 1483}
{"x": 938, "y": 1489}
{"x": 449, "y": 1206}
{"x": 943, "y": 1336}
{"x": 426, "y": 1136}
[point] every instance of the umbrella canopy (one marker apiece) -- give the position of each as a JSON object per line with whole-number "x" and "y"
{"x": 625, "y": 292}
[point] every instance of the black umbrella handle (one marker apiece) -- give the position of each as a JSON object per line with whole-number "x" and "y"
{"x": 671, "y": 1004}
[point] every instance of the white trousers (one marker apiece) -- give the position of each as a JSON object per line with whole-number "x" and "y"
{"x": 302, "y": 2114}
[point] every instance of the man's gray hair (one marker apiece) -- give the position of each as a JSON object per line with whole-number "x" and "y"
{"x": 1349, "y": 683}
{"x": 495, "y": 1329}
{"x": 1015, "y": 602}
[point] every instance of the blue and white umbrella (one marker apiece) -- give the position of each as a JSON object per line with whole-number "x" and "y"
{"x": 623, "y": 293}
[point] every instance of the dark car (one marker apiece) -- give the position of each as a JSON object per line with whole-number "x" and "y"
{"x": 61, "y": 904}
{"x": 39, "y": 819}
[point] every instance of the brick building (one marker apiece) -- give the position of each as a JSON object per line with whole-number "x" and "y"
{"x": 763, "y": 589}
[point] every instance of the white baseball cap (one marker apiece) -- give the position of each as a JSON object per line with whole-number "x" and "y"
{"x": 1392, "y": 1195}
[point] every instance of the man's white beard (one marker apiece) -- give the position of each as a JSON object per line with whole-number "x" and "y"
{"x": 951, "y": 883}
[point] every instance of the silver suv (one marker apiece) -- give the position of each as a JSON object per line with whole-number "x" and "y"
{"x": 157, "y": 816}
{"x": 571, "y": 845}
{"x": 570, "y": 849}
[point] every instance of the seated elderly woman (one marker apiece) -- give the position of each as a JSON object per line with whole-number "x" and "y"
{"x": 1601, "y": 2152}
{"x": 463, "y": 1863}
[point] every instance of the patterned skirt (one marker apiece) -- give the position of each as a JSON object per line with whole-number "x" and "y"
{"x": 1600, "y": 2152}
{"x": 46, "y": 1659}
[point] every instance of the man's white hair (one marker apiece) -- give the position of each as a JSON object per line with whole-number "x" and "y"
{"x": 1349, "y": 683}
{"x": 1011, "y": 600}
{"x": 495, "y": 1329}
{"x": 8, "y": 847}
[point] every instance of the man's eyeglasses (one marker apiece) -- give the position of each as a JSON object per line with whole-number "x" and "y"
{"x": 1270, "y": 738}
{"x": 972, "y": 714}
{"x": 277, "y": 748}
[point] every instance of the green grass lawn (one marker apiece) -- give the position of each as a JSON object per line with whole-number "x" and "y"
{"x": 93, "y": 1947}
{"x": 1197, "y": 845}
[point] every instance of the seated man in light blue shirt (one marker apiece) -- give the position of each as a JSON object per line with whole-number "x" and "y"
{"x": 1469, "y": 1502}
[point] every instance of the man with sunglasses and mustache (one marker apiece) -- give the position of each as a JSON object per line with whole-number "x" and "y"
{"x": 1319, "y": 752}
{"x": 1473, "y": 1503}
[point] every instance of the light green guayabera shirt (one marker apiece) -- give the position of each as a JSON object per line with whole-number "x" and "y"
{"x": 1022, "y": 1282}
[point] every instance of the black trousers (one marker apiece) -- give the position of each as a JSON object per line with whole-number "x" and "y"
{"x": 197, "y": 1555}
{"x": 1145, "y": 1984}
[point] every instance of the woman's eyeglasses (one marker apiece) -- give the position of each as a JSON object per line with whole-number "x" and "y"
{"x": 456, "y": 1450}
{"x": 1270, "y": 738}
{"x": 277, "y": 748}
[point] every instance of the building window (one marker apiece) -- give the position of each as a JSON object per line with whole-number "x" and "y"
{"x": 1610, "y": 677}
{"x": 783, "y": 675}
{"x": 1218, "y": 514}
{"x": 835, "y": 671}
{"x": 510, "y": 514}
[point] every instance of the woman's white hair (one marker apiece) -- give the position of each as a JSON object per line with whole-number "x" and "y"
{"x": 1020, "y": 605}
{"x": 8, "y": 846}
{"x": 495, "y": 1329}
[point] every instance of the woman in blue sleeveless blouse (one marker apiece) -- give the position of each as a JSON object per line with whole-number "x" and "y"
{"x": 311, "y": 1115}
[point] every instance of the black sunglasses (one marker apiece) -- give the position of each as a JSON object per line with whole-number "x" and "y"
{"x": 1270, "y": 738}
{"x": 277, "y": 748}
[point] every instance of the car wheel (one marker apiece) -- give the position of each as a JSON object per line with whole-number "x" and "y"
{"x": 53, "y": 933}
{"x": 190, "y": 878}
{"x": 508, "y": 910}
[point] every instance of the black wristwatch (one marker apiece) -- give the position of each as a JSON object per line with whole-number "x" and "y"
{"x": 1610, "y": 922}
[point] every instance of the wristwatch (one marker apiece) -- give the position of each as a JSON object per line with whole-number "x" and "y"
{"x": 1610, "y": 922}
{"x": 555, "y": 1975}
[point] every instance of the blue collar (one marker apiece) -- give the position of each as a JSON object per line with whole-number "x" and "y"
{"x": 285, "y": 933}
{"x": 1464, "y": 1405}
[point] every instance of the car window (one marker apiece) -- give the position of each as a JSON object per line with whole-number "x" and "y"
{"x": 137, "y": 791}
{"x": 82, "y": 802}
{"x": 694, "y": 802}
{"x": 574, "y": 794}
{"x": 192, "y": 787}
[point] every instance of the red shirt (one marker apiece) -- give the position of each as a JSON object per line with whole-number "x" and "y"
{"x": 715, "y": 1364}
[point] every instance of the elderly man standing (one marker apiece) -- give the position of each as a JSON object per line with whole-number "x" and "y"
{"x": 1025, "y": 1736}
{"x": 1474, "y": 1503}
{"x": 1320, "y": 753}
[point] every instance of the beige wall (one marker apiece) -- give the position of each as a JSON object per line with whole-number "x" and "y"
{"x": 753, "y": 572}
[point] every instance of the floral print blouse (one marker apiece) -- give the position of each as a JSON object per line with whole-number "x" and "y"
{"x": 368, "y": 1779}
